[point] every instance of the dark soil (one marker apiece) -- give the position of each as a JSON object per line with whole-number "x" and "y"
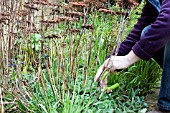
{"x": 151, "y": 99}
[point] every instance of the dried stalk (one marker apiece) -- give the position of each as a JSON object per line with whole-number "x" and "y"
{"x": 2, "y": 103}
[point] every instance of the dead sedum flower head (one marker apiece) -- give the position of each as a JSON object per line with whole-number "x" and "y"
{"x": 66, "y": 18}
{"x": 74, "y": 13}
{"x": 78, "y": 4}
{"x": 89, "y": 26}
{"x": 74, "y": 30}
{"x": 130, "y": 3}
{"x": 106, "y": 11}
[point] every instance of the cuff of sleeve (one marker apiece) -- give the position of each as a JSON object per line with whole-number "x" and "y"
{"x": 140, "y": 52}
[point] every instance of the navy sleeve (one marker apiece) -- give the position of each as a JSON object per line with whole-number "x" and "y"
{"x": 147, "y": 17}
{"x": 157, "y": 36}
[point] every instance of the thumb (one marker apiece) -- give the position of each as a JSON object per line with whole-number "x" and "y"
{"x": 109, "y": 65}
{"x": 99, "y": 72}
{"x": 103, "y": 67}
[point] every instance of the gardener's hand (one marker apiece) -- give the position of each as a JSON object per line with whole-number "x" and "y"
{"x": 116, "y": 62}
{"x": 120, "y": 62}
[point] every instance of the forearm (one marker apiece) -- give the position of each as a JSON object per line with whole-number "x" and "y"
{"x": 132, "y": 57}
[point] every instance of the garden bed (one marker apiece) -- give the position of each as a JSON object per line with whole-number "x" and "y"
{"x": 50, "y": 53}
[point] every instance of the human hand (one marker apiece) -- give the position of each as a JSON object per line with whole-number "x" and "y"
{"x": 113, "y": 63}
{"x": 116, "y": 62}
{"x": 120, "y": 62}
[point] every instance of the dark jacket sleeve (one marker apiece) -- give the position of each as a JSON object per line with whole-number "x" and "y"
{"x": 147, "y": 17}
{"x": 157, "y": 36}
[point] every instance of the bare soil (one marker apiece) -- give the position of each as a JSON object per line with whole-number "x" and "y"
{"x": 152, "y": 98}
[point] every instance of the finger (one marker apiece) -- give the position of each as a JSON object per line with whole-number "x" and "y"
{"x": 108, "y": 63}
{"x": 110, "y": 66}
{"x": 112, "y": 69}
{"x": 105, "y": 64}
{"x": 103, "y": 83}
{"x": 103, "y": 67}
{"x": 108, "y": 91}
{"x": 99, "y": 71}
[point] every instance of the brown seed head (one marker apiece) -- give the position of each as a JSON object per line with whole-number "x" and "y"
{"x": 65, "y": 18}
{"x": 74, "y": 14}
{"x": 3, "y": 19}
{"x": 90, "y": 26}
{"x": 52, "y": 36}
{"x": 49, "y": 21}
{"x": 78, "y": 4}
{"x": 5, "y": 14}
{"x": 103, "y": 1}
{"x": 73, "y": 30}
{"x": 23, "y": 13}
{"x": 29, "y": 6}
{"x": 106, "y": 11}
